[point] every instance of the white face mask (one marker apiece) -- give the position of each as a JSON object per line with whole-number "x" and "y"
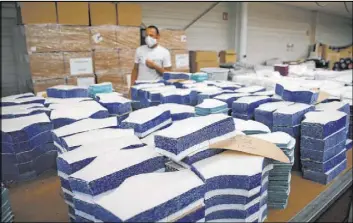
{"x": 150, "y": 41}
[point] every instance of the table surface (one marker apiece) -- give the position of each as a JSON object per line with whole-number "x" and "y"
{"x": 41, "y": 199}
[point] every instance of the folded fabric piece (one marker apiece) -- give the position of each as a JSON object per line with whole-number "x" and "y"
{"x": 324, "y": 166}
{"x": 71, "y": 114}
{"x": 291, "y": 115}
{"x": 199, "y": 76}
{"x": 232, "y": 192}
{"x": 176, "y": 75}
{"x": 230, "y": 98}
{"x": 300, "y": 95}
{"x": 251, "y": 89}
{"x": 199, "y": 155}
{"x": 114, "y": 103}
{"x": 178, "y": 111}
{"x": 187, "y": 136}
{"x": 264, "y": 113}
{"x": 154, "y": 197}
{"x": 322, "y": 155}
{"x": 105, "y": 87}
{"x": 323, "y": 144}
{"x": 72, "y": 101}
{"x": 327, "y": 177}
{"x": 211, "y": 106}
{"x": 9, "y": 101}
{"x": 148, "y": 120}
{"x": 319, "y": 125}
{"x": 72, "y": 142}
{"x": 179, "y": 96}
{"x": 246, "y": 105}
{"x": 67, "y": 91}
{"x": 250, "y": 127}
{"x": 136, "y": 88}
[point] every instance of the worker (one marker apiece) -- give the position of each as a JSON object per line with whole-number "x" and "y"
{"x": 151, "y": 60}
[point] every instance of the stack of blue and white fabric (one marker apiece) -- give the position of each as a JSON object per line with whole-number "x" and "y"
{"x": 264, "y": 113}
{"x": 300, "y": 95}
{"x": 137, "y": 95}
{"x": 153, "y": 95}
{"x": 107, "y": 172}
{"x": 79, "y": 127}
{"x": 323, "y": 138}
{"x": 287, "y": 119}
{"x": 21, "y": 99}
{"x": 115, "y": 104}
{"x": 244, "y": 107}
{"x": 227, "y": 85}
{"x": 207, "y": 91}
{"x": 199, "y": 76}
{"x": 190, "y": 135}
{"x": 250, "y": 89}
{"x": 250, "y": 127}
{"x": 101, "y": 88}
{"x": 15, "y": 111}
{"x": 265, "y": 93}
{"x": 27, "y": 147}
{"x": 155, "y": 197}
{"x": 338, "y": 106}
{"x": 55, "y": 103}
{"x": 179, "y": 96}
{"x": 148, "y": 120}
{"x": 6, "y": 210}
{"x": 67, "y": 114}
{"x": 176, "y": 76}
{"x": 211, "y": 106}
{"x": 229, "y": 98}
{"x": 211, "y": 94}
{"x": 67, "y": 91}
{"x": 178, "y": 111}
{"x": 234, "y": 193}
{"x": 280, "y": 175}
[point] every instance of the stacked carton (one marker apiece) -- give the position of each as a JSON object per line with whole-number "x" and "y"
{"x": 203, "y": 59}
{"x": 227, "y": 56}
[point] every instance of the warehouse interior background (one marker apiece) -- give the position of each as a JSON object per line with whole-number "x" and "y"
{"x": 258, "y": 31}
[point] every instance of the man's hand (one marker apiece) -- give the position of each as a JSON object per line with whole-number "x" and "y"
{"x": 150, "y": 64}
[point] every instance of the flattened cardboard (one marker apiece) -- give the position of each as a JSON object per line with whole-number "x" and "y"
{"x": 73, "y": 13}
{"x": 252, "y": 146}
{"x": 38, "y": 12}
{"x": 323, "y": 95}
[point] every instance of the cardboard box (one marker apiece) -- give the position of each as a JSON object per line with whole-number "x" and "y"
{"x": 129, "y": 14}
{"x": 126, "y": 60}
{"x": 72, "y": 55}
{"x": 128, "y": 37}
{"x": 72, "y": 13}
{"x": 106, "y": 62}
{"x": 42, "y": 85}
{"x": 47, "y": 65}
{"x": 180, "y": 60}
{"x": 42, "y": 38}
{"x": 118, "y": 81}
{"x": 30, "y": 12}
{"x": 204, "y": 64}
{"x": 102, "y": 13}
{"x": 347, "y": 52}
{"x": 173, "y": 39}
{"x": 333, "y": 58}
{"x": 82, "y": 80}
{"x": 227, "y": 56}
{"x": 104, "y": 37}
{"x": 75, "y": 38}
{"x": 197, "y": 56}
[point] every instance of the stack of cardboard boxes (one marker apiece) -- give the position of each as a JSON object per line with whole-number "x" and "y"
{"x": 64, "y": 49}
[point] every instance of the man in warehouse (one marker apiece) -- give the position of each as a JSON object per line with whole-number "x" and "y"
{"x": 151, "y": 60}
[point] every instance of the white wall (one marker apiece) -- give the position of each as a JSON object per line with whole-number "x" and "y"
{"x": 334, "y": 30}
{"x": 211, "y": 32}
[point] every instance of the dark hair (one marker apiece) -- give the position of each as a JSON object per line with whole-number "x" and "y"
{"x": 154, "y": 27}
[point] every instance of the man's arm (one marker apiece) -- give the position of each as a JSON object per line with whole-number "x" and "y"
{"x": 167, "y": 64}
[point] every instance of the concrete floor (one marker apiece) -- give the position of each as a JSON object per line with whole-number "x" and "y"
{"x": 43, "y": 196}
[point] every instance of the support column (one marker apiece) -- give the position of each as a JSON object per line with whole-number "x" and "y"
{"x": 243, "y": 31}
{"x": 312, "y": 32}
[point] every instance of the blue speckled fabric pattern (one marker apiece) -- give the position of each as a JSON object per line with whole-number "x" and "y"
{"x": 282, "y": 119}
{"x": 322, "y": 155}
{"x": 176, "y": 75}
{"x": 300, "y": 96}
{"x": 78, "y": 92}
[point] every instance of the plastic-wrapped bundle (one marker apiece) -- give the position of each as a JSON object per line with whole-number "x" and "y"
{"x": 291, "y": 115}
{"x": 27, "y": 147}
{"x": 179, "y": 96}
{"x": 250, "y": 127}
{"x": 148, "y": 120}
{"x": 300, "y": 95}
{"x": 108, "y": 171}
{"x": 70, "y": 114}
{"x": 67, "y": 91}
{"x": 59, "y": 101}
{"x": 101, "y": 88}
{"x": 6, "y": 213}
{"x": 234, "y": 193}
{"x": 280, "y": 175}
{"x": 230, "y": 98}
{"x": 323, "y": 145}
{"x": 211, "y": 106}
{"x": 176, "y": 75}
{"x": 136, "y": 88}
{"x": 9, "y": 101}
{"x": 187, "y": 136}
{"x": 251, "y": 89}
{"x": 178, "y": 111}
{"x": 72, "y": 142}
{"x": 16, "y": 111}
{"x": 264, "y": 113}
{"x": 199, "y": 76}
{"x": 115, "y": 104}
{"x": 155, "y": 197}
{"x": 244, "y": 107}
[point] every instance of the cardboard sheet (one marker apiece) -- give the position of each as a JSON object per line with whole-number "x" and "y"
{"x": 252, "y": 146}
